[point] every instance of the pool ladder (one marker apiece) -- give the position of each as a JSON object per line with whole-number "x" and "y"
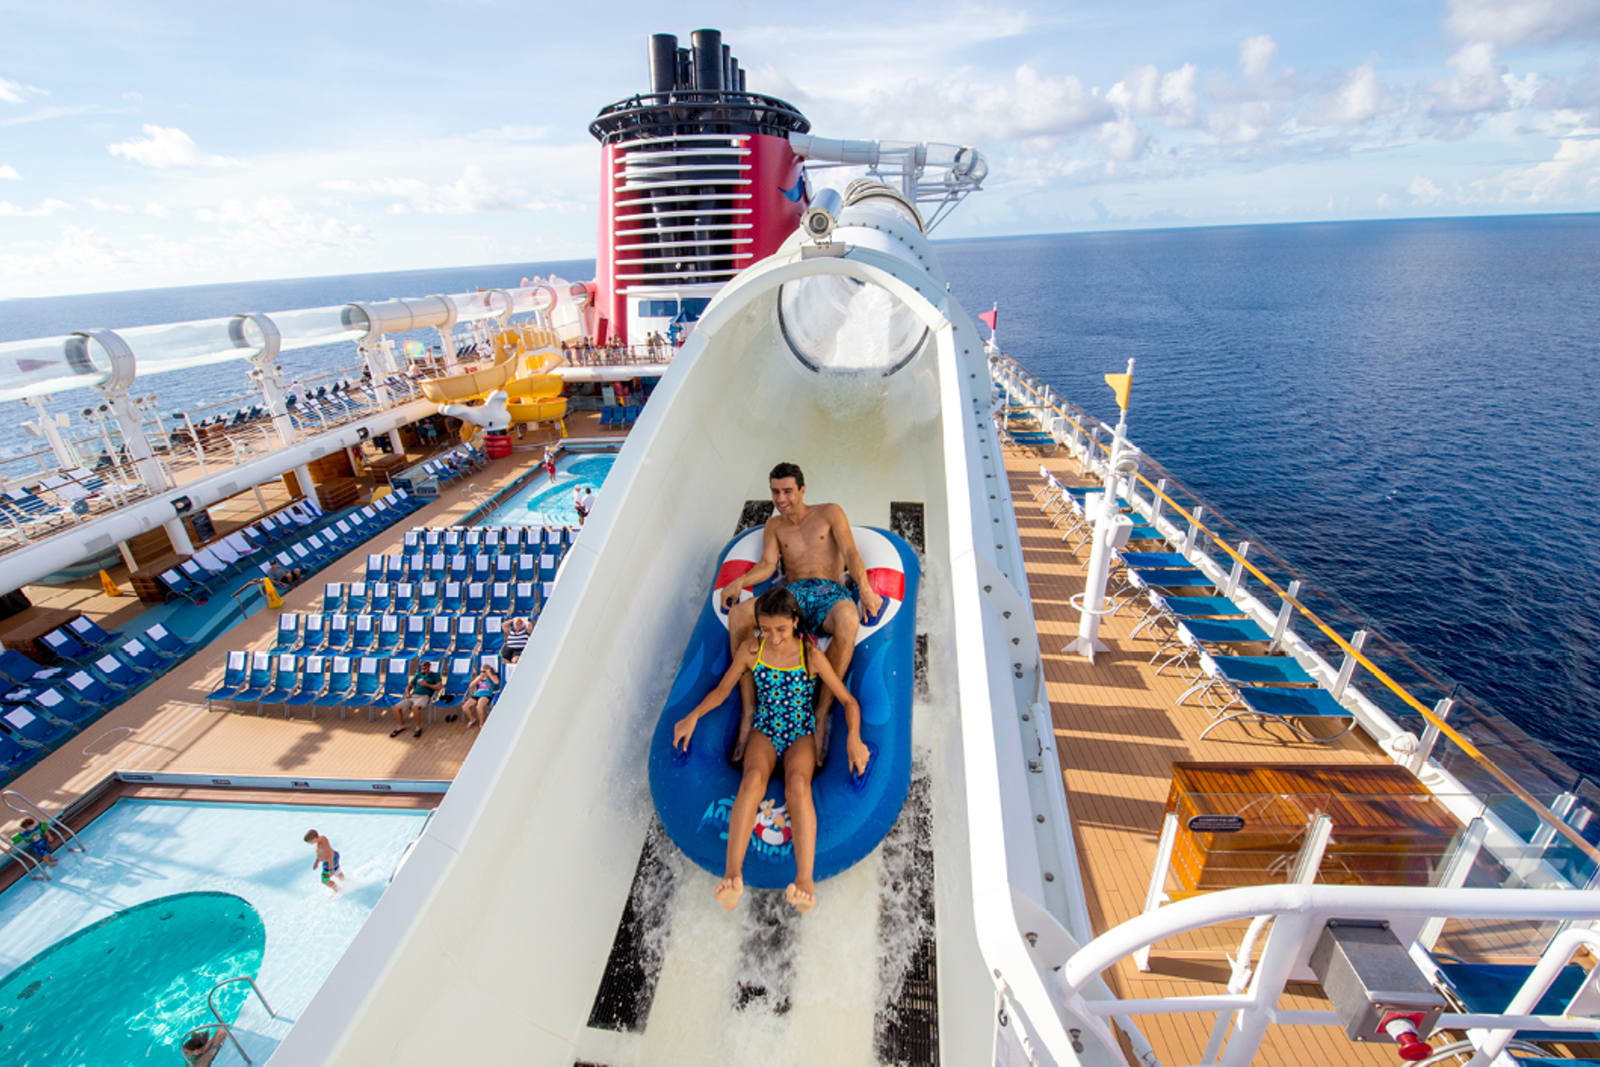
{"x": 211, "y": 1002}
{"x": 20, "y": 804}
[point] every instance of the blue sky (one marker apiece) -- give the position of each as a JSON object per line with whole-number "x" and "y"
{"x": 169, "y": 144}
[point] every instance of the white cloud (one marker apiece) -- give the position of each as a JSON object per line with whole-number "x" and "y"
{"x": 48, "y": 207}
{"x": 474, "y": 191}
{"x": 1477, "y": 84}
{"x": 113, "y": 208}
{"x": 1358, "y": 99}
{"x": 9, "y": 173}
{"x": 157, "y": 211}
{"x": 1424, "y": 191}
{"x": 978, "y": 110}
{"x": 14, "y": 92}
{"x": 1572, "y": 177}
{"x": 1172, "y": 97}
{"x": 276, "y": 222}
{"x": 1256, "y": 55}
{"x": 1509, "y": 22}
{"x": 1124, "y": 140}
{"x": 168, "y": 146}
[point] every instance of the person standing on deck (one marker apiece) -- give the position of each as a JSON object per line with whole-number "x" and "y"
{"x": 815, "y": 546}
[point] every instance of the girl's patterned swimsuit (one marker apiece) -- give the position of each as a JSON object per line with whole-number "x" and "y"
{"x": 785, "y": 699}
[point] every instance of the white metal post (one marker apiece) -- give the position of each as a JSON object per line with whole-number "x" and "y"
{"x": 1091, "y": 602}
{"x": 48, "y": 429}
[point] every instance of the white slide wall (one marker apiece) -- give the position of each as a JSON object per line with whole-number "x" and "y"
{"x": 491, "y": 941}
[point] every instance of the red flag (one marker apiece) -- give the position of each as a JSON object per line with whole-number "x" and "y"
{"x": 989, "y": 317}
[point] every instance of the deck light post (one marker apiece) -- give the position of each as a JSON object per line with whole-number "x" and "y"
{"x": 1110, "y": 532}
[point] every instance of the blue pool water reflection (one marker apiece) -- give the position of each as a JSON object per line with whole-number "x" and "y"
{"x": 545, "y": 503}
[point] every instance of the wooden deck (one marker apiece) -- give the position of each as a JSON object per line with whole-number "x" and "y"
{"x": 1118, "y": 734}
{"x": 166, "y": 726}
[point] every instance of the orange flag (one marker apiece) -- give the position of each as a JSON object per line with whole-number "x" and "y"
{"x": 1121, "y": 384}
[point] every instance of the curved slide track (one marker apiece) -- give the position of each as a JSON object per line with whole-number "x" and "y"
{"x": 541, "y": 896}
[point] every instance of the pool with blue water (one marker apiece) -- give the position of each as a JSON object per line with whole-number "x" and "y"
{"x": 170, "y": 898}
{"x": 545, "y": 503}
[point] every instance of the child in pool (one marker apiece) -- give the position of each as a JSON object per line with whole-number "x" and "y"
{"x": 785, "y": 672}
{"x": 327, "y": 859}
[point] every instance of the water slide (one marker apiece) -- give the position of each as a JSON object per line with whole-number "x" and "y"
{"x": 540, "y": 897}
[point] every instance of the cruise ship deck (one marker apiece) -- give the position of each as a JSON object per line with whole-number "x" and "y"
{"x": 1121, "y": 737}
{"x": 166, "y": 727}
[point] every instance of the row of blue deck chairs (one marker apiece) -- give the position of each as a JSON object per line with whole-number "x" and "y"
{"x": 56, "y": 500}
{"x": 399, "y": 599}
{"x": 282, "y": 538}
{"x": 446, "y": 567}
{"x": 451, "y": 466}
{"x": 43, "y": 706}
{"x": 392, "y": 635}
{"x": 620, "y": 414}
{"x": 491, "y": 539}
{"x": 291, "y": 682}
{"x": 1198, "y": 630}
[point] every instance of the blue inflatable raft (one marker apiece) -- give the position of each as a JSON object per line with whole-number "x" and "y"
{"x": 694, "y": 791}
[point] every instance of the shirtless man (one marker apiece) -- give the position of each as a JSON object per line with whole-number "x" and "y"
{"x": 816, "y": 547}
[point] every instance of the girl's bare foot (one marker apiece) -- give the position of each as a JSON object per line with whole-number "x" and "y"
{"x": 802, "y": 900}
{"x": 728, "y": 892}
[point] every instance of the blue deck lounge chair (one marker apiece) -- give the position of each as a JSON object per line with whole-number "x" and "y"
{"x": 234, "y": 674}
{"x": 141, "y": 657}
{"x": 30, "y": 729}
{"x": 341, "y": 680}
{"x": 396, "y": 675}
{"x": 333, "y": 597}
{"x": 65, "y": 646}
{"x": 313, "y": 682}
{"x": 1487, "y": 988}
{"x": 1256, "y": 682}
{"x": 285, "y": 682}
{"x": 415, "y": 637}
{"x": 169, "y": 644}
{"x": 54, "y": 704}
{"x": 389, "y": 635}
{"x": 288, "y": 639}
{"x": 17, "y": 668}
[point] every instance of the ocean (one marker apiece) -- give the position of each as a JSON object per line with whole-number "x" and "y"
{"x": 1406, "y": 412}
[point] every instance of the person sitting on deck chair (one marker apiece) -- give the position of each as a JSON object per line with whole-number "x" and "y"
{"x": 284, "y": 577}
{"x": 421, "y": 691}
{"x": 816, "y": 548}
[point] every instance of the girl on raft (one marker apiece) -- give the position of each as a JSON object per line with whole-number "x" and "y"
{"x": 785, "y": 667}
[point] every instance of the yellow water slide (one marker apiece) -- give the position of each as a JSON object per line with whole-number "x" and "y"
{"x": 524, "y": 356}
{"x": 512, "y": 346}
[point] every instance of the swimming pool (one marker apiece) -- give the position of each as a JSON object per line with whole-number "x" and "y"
{"x": 545, "y": 503}
{"x": 162, "y": 959}
{"x": 143, "y": 851}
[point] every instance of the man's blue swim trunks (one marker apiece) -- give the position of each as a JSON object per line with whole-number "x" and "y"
{"x": 817, "y": 596}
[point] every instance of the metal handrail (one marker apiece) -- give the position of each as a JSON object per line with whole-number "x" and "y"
{"x": 1428, "y": 714}
{"x": 35, "y": 869}
{"x": 30, "y": 808}
{"x": 212, "y": 1004}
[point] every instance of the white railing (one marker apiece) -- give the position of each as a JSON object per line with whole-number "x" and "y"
{"x": 1298, "y": 914}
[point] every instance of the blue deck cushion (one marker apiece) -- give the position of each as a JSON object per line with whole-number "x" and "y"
{"x": 1286, "y": 705}
{"x": 1225, "y": 631}
{"x": 1197, "y": 607}
{"x": 1488, "y": 987}
{"x": 1172, "y": 577}
{"x": 694, "y": 791}
{"x": 30, "y": 729}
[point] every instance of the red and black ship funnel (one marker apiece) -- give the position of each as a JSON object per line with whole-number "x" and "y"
{"x": 697, "y": 181}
